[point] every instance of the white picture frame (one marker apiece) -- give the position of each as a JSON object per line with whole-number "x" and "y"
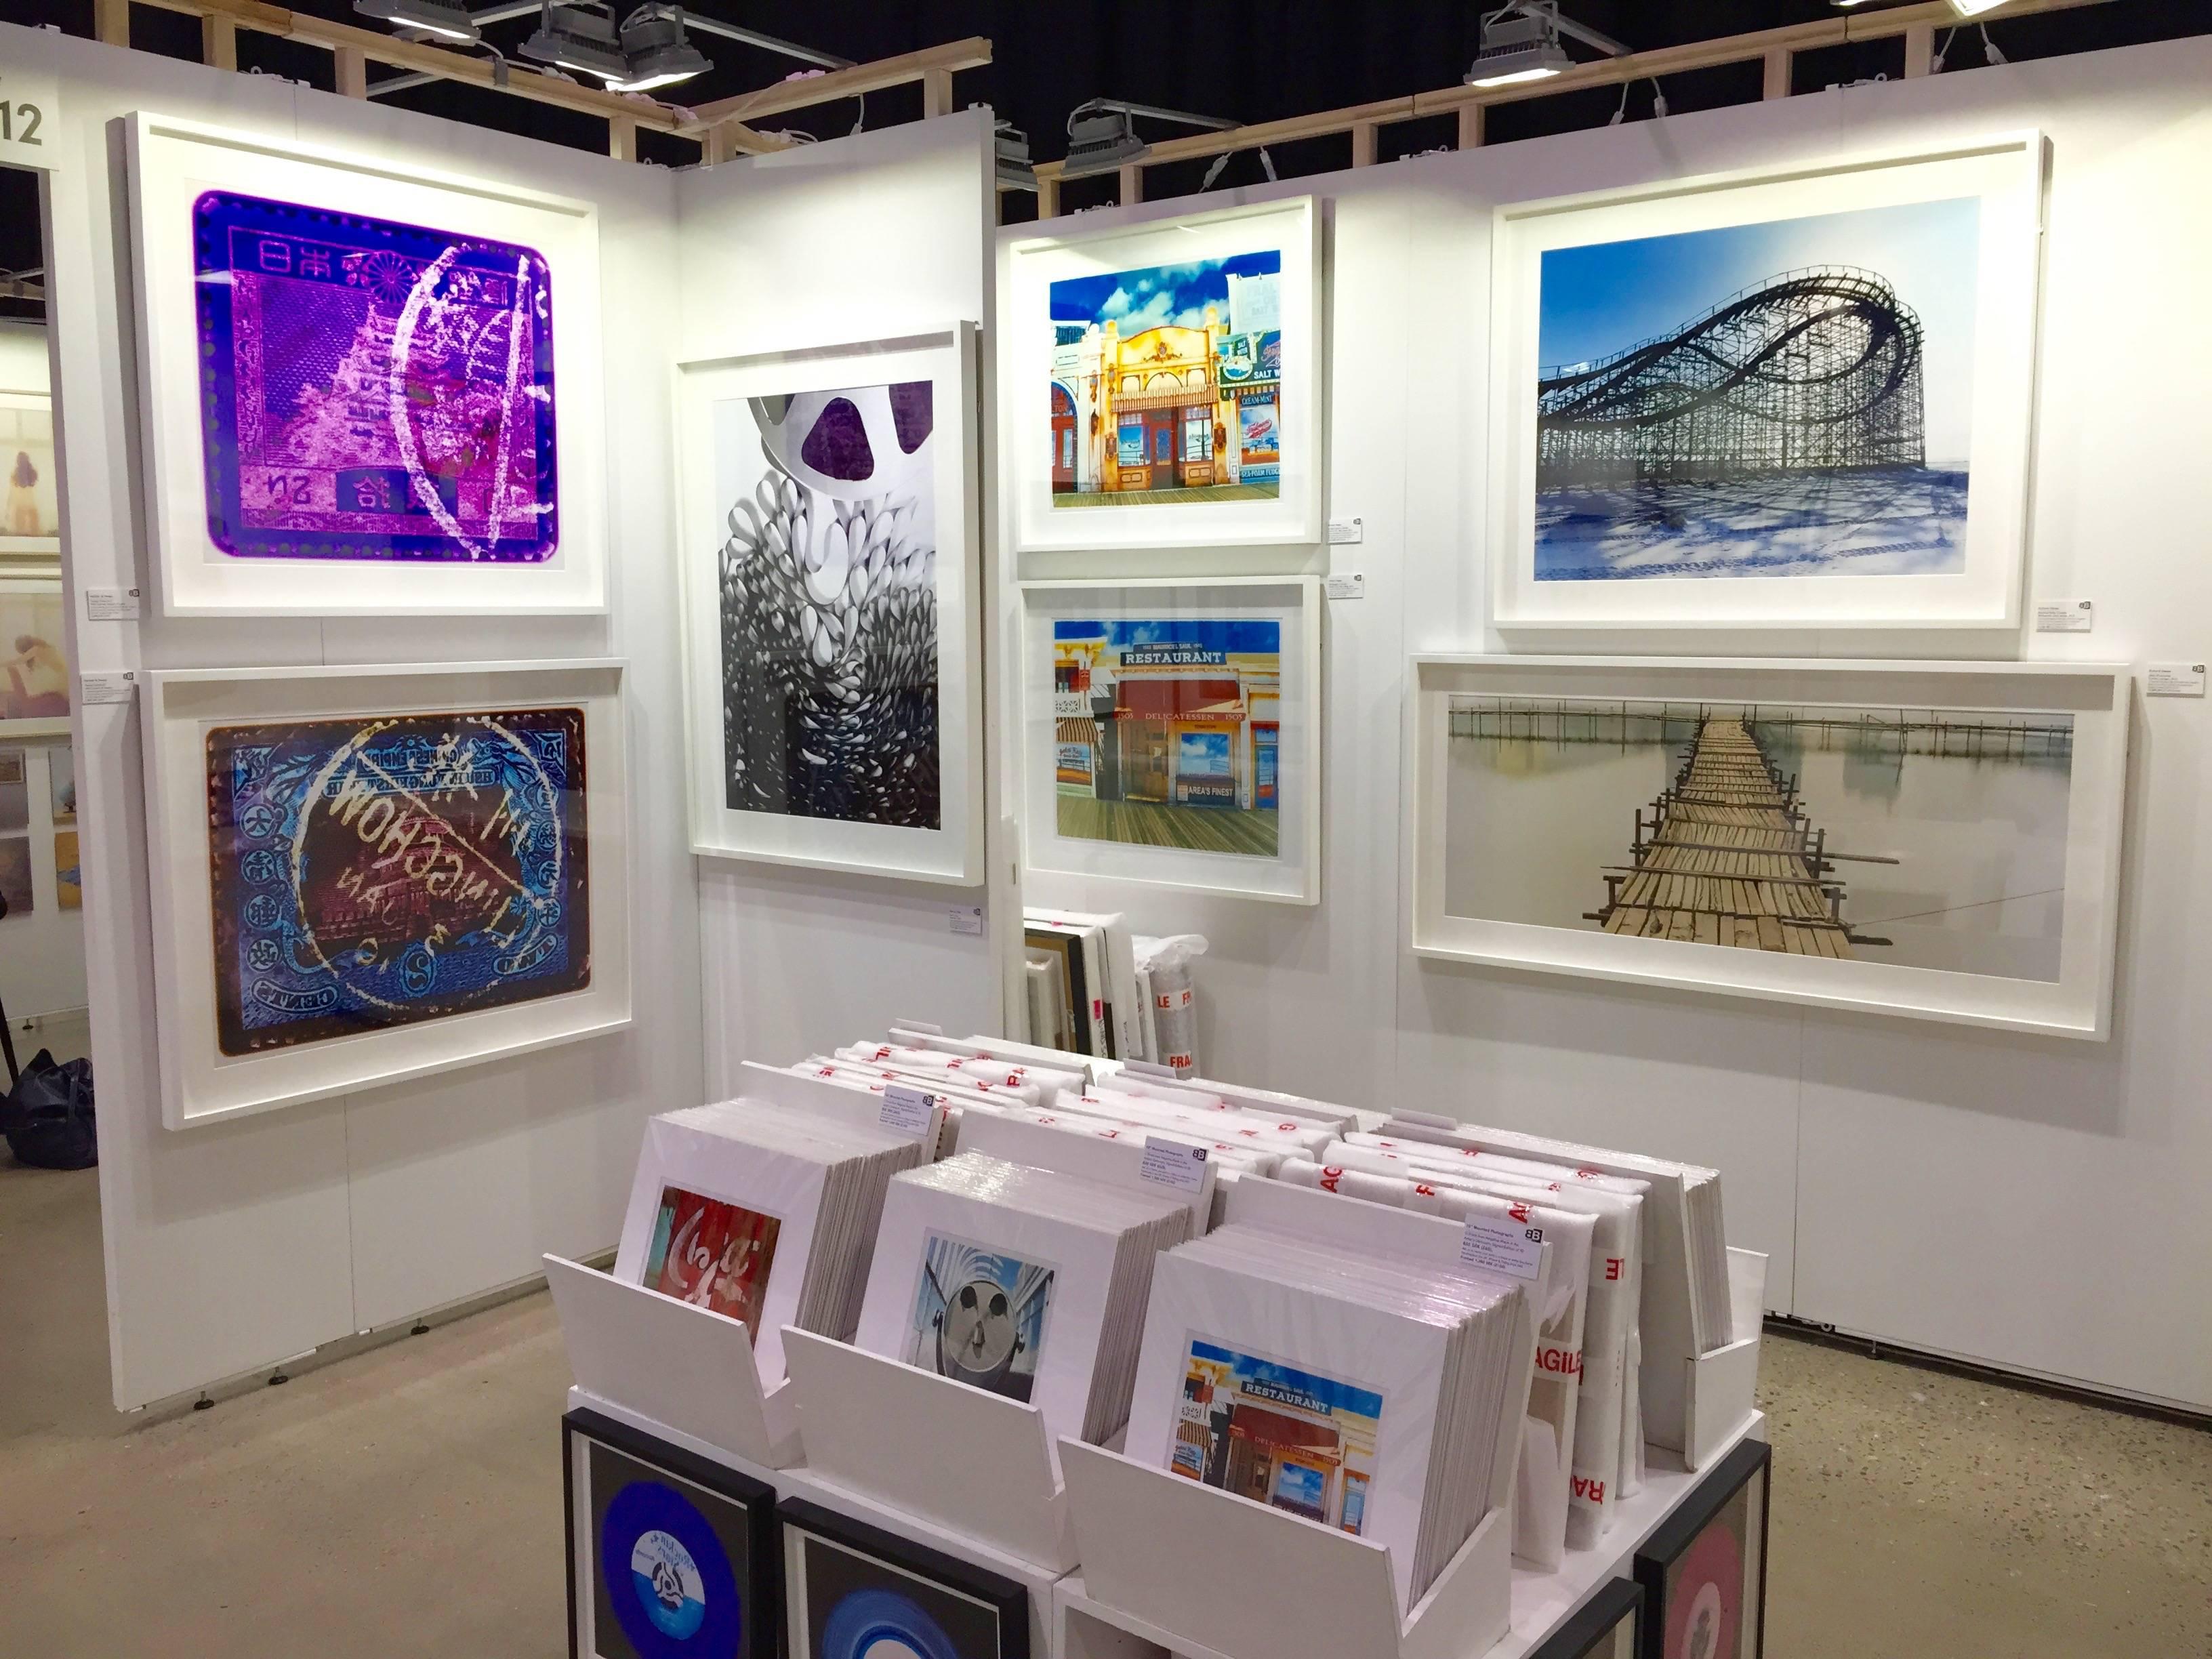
{"x": 183, "y": 707}
{"x": 1281, "y": 535}
{"x": 34, "y": 606}
{"x": 171, "y": 164}
{"x": 2075, "y": 1001}
{"x": 17, "y": 546}
{"x": 1292, "y": 873}
{"x": 711, "y": 469}
{"x": 1962, "y": 581}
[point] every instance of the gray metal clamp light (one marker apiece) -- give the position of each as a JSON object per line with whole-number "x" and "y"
{"x": 1103, "y": 135}
{"x": 1521, "y": 42}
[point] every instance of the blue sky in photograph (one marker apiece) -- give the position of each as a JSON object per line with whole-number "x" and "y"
{"x": 1143, "y": 299}
{"x": 1224, "y": 634}
{"x": 1601, "y": 298}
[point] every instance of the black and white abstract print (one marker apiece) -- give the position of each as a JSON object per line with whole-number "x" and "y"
{"x": 829, "y": 605}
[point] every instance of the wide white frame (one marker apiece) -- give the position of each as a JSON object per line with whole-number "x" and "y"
{"x": 2004, "y": 172}
{"x": 1293, "y": 875}
{"x": 1281, "y": 536}
{"x": 199, "y": 1085}
{"x": 2078, "y": 1004}
{"x": 953, "y": 852}
{"x": 35, "y": 547}
{"x": 171, "y": 162}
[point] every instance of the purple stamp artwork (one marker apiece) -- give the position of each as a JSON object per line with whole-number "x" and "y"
{"x": 371, "y": 390}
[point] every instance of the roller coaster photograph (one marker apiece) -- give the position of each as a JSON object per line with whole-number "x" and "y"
{"x": 1777, "y": 399}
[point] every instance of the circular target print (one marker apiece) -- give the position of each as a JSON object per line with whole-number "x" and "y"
{"x": 881, "y": 1623}
{"x": 1705, "y": 1613}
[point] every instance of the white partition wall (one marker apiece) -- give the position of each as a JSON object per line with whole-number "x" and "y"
{"x": 870, "y": 238}
{"x": 236, "y": 1245}
{"x": 2034, "y": 1203}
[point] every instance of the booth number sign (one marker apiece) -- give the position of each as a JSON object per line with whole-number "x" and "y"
{"x": 28, "y": 135}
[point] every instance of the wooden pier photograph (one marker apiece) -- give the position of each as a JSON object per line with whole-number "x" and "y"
{"x": 1927, "y": 838}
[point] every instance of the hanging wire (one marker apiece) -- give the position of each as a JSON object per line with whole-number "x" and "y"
{"x": 1658, "y": 102}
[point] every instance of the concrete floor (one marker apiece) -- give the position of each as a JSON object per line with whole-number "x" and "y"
{"x": 407, "y": 1500}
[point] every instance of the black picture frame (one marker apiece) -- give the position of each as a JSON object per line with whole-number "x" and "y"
{"x": 847, "y": 1583}
{"x": 1686, "y": 1586}
{"x": 1609, "y": 1626}
{"x": 706, "y": 1508}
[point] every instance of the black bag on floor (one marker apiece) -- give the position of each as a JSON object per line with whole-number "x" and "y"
{"x": 47, "y": 1115}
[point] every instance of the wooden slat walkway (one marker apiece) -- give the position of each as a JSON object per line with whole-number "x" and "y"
{"x": 1728, "y": 859}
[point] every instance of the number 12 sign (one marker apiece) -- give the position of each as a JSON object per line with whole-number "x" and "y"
{"x": 29, "y": 133}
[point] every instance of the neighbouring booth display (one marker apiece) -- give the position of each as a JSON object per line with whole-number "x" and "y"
{"x": 1166, "y": 381}
{"x": 1930, "y": 838}
{"x": 362, "y": 392}
{"x": 30, "y": 496}
{"x": 830, "y": 613}
{"x": 1792, "y": 398}
{"x": 1704, "y": 1572}
{"x": 855, "y": 1591}
{"x": 1171, "y": 734}
{"x": 669, "y": 1552}
{"x": 366, "y": 874}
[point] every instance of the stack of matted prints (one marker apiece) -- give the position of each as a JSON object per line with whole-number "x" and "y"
{"x": 1686, "y": 1309}
{"x": 763, "y": 1213}
{"x": 1029, "y": 1283}
{"x": 1607, "y": 1463}
{"x": 1359, "y": 1388}
{"x": 1572, "y": 1441}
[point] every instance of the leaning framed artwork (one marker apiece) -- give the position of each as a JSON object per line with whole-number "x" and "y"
{"x": 1171, "y": 734}
{"x": 365, "y": 875}
{"x": 1164, "y": 394}
{"x": 668, "y": 1552}
{"x": 368, "y": 388}
{"x": 854, "y": 1591}
{"x": 1934, "y": 839}
{"x": 828, "y": 559}
{"x": 1704, "y": 1572}
{"x": 1783, "y": 398}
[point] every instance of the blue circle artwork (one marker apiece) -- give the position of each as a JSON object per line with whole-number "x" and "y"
{"x": 684, "y": 1596}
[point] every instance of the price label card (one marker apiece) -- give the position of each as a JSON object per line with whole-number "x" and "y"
{"x": 30, "y": 128}
{"x": 907, "y": 1111}
{"x": 2065, "y": 615}
{"x": 108, "y": 688}
{"x": 111, "y": 605}
{"x": 1501, "y": 1246}
{"x": 1346, "y": 585}
{"x": 1176, "y": 1163}
{"x": 965, "y": 918}
{"x": 1344, "y": 530}
{"x": 2174, "y": 679}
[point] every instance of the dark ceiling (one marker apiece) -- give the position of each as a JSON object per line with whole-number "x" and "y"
{"x": 1251, "y": 60}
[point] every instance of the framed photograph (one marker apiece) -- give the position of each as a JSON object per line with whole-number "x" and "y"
{"x": 1171, "y": 734}
{"x": 1783, "y": 398}
{"x": 832, "y": 644}
{"x": 854, "y": 1591}
{"x": 30, "y": 494}
{"x": 1164, "y": 387}
{"x": 368, "y": 388}
{"x": 35, "y": 676}
{"x": 1704, "y": 1572}
{"x": 1607, "y": 1626}
{"x": 363, "y": 875}
{"x": 1934, "y": 839}
{"x": 668, "y": 1552}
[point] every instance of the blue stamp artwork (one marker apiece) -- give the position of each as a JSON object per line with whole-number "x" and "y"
{"x": 374, "y": 871}
{"x": 371, "y": 390}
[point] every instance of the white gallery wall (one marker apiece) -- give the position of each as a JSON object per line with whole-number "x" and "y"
{"x": 2031, "y": 1202}
{"x": 233, "y": 1246}
{"x": 876, "y": 237}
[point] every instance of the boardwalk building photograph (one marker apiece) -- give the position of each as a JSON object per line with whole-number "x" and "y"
{"x": 1925, "y": 838}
